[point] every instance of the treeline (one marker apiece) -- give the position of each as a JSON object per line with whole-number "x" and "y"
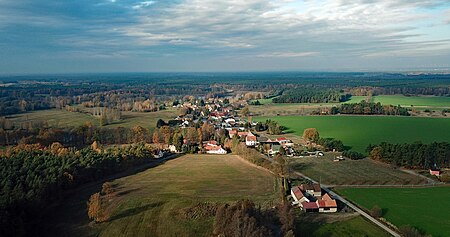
{"x": 272, "y": 127}
{"x": 75, "y": 137}
{"x": 414, "y": 155}
{"x": 31, "y": 177}
{"x": 311, "y": 95}
{"x": 364, "y": 107}
{"x": 245, "y": 219}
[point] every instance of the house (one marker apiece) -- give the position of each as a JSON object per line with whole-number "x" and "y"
{"x": 215, "y": 150}
{"x": 173, "y": 149}
{"x": 311, "y": 189}
{"x": 231, "y": 133}
{"x": 297, "y": 195}
{"x": 434, "y": 171}
{"x": 327, "y": 204}
{"x": 282, "y": 140}
{"x": 242, "y": 134}
{"x": 250, "y": 139}
{"x": 309, "y": 207}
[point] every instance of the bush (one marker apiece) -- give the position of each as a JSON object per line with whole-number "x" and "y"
{"x": 376, "y": 212}
{"x": 354, "y": 155}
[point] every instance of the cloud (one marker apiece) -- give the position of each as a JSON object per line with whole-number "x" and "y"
{"x": 281, "y": 30}
{"x": 143, "y": 4}
{"x": 288, "y": 54}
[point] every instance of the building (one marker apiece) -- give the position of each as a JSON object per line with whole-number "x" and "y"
{"x": 311, "y": 189}
{"x": 250, "y": 139}
{"x": 309, "y": 207}
{"x": 327, "y": 204}
{"x": 218, "y": 150}
{"x": 434, "y": 171}
{"x": 298, "y": 196}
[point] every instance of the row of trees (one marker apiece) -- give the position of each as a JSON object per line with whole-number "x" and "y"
{"x": 369, "y": 108}
{"x": 272, "y": 127}
{"x": 32, "y": 176}
{"x": 415, "y": 155}
{"x": 245, "y": 219}
{"x": 311, "y": 95}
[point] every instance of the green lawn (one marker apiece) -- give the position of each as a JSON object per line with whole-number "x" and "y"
{"x": 407, "y": 101}
{"x": 352, "y": 172}
{"x": 63, "y": 118}
{"x": 354, "y": 227}
{"x": 151, "y": 203}
{"x": 360, "y": 131}
{"x": 427, "y": 209}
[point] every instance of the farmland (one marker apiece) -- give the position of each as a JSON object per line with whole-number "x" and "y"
{"x": 360, "y": 131}
{"x": 320, "y": 226}
{"x": 426, "y": 209}
{"x": 151, "y": 203}
{"x": 407, "y": 101}
{"x": 418, "y": 102}
{"x": 62, "y": 118}
{"x": 352, "y": 172}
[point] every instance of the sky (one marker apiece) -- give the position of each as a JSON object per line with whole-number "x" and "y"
{"x": 69, "y": 36}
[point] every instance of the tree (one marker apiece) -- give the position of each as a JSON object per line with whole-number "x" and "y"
{"x": 245, "y": 111}
{"x": 376, "y": 153}
{"x": 139, "y": 134}
{"x": 376, "y": 212}
{"x": 311, "y": 134}
{"x": 96, "y": 211}
{"x": 157, "y": 138}
{"x": 107, "y": 188}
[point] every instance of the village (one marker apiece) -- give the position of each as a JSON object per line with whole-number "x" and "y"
{"x": 234, "y": 121}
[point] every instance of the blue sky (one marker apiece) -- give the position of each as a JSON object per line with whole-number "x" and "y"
{"x": 65, "y": 36}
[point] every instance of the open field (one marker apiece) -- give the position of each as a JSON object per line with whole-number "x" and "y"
{"x": 426, "y": 209}
{"x": 349, "y": 225}
{"x": 351, "y": 172}
{"x": 419, "y": 102}
{"x": 63, "y": 118}
{"x": 360, "y": 131}
{"x": 151, "y": 203}
{"x": 407, "y": 101}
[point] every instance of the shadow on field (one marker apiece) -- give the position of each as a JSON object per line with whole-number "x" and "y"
{"x": 127, "y": 191}
{"x": 135, "y": 211}
{"x": 300, "y": 166}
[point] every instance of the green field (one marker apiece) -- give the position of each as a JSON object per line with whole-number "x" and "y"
{"x": 426, "y": 209}
{"x": 352, "y": 172}
{"x": 407, "y": 101}
{"x": 62, "y": 118}
{"x": 151, "y": 203}
{"x": 360, "y": 131}
{"x": 353, "y": 227}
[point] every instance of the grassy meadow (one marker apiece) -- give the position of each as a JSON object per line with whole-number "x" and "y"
{"x": 407, "y": 101}
{"x": 426, "y": 209}
{"x": 352, "y": 172}
{"x": 152, "y": 202}
{"x": 62, "y": 118}
{"x": 360, "y": 131}
{"x": 312, "y": 225}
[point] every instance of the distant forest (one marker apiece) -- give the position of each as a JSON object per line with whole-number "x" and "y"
{"x": 311, "y": 95}
{"x": 20, "y": 94}
{"x": 369, "y": 109}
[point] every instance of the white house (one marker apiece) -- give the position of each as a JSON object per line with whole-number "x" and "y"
{"x": 216, "y": 150}
{"x": 250, "y": 139}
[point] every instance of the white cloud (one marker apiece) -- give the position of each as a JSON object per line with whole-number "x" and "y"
{"x": 329, "y": 27}
{"x": 143, "y": 4}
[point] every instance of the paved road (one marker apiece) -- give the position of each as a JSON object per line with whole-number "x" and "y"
{"x": 354, "y": 207}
